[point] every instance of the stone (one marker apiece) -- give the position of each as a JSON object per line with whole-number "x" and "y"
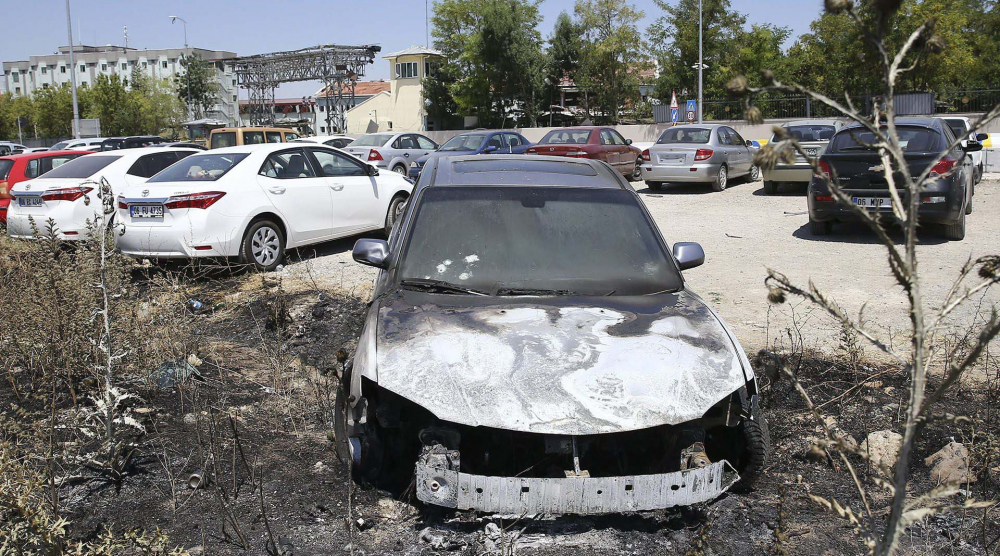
{"x": 882, "y": 447}
{"x": 839, "y": 433}
{"x": 950, "y": 464}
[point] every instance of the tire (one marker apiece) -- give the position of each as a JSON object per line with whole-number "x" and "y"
{"x": 972, "y": 193}
{"x": 636, "y": 172}
{"x": 956, "y": 231}
{"x": 754, "y": 174}
{"x": 399, "y": 169}
{"x": 396, "y": 208}
{"x": 770, "y": 187}
{"x": 721, "y": 180}
{"x": 756, "y": 452}
{"x": 263, "y": 246}
{"x": 654, "y": 185}
{"x": 818, "y": 228}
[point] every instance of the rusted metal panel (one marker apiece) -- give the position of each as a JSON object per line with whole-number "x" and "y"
{"x": 573, "y": 495}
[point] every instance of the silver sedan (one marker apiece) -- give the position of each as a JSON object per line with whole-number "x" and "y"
{"x": 391, "y": 151}
{"x": 699, "y": 153}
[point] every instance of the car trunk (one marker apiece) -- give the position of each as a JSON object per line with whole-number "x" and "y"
{"x": 675, "y": 154}
{"x": 814, "y": 149}
{"x": 360, "y": 152}
{"x": 558, "y": 150}
{"x": 29, "y": 196}
{"x": 863, "y": 169}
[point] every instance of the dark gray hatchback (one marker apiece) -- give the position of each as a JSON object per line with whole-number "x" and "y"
{"x": 857, "y": 167}
{"x": 531, "y": 347}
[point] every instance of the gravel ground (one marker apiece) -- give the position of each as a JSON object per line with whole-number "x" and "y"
{"x": 745, "y": 232}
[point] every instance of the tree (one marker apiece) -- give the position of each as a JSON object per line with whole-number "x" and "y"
{"x": 612, "y": 56}
{"x": 54, "y": 110}
{"x": 111, "y": 101}
{"x": 14, "y": 107}
{"x": 197, "y": 82}
{"x": 494, "y": 64}
{"x": 564, "y": 47}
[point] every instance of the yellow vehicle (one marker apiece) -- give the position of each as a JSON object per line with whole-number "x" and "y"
{"x": 234, "y": 136}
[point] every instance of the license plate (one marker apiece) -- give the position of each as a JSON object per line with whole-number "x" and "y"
{"x": 29, "y": 201}
{"x": 812, "y": 152}
{"x": 671, "y": 158}
{"x": 872, "y": 202}
{"x": 145, "y": 211}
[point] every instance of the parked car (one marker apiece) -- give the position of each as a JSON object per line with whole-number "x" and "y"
{"x": 699, "y": 153}
{"x": 17, "y": 168}
{"x": 597, "y": 143}
{"x": 85, "y": 144}
{"x": 503, "y": 317}
{"x": 391, "y": 151}
{"x": 8, "y": 148}
{"x": 234, "y": 136}
{"x": 35, "y": 150}
{"x": 255, "y": 202}
{"x": 961, "y": 127}
{"x": 67, "y": 194}
{"x": 133, "y": 142}
{"x": 476, "y": 142}
{"x": 336, "y": 141}
{"x": 813, "y": 136}
{"x": 186, "y": 145}
{"x": 858, "y": 169}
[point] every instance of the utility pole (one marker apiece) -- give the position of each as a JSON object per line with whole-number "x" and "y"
{"x": 427, "y": 26}
{"x": 72, "y": 74}
{"x": 187, "y": 74}
{"x": 701, "y": 63}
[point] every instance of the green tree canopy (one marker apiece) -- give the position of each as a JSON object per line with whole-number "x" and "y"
{"x": 198, "y": 84}
{"x": 612, "y": 54}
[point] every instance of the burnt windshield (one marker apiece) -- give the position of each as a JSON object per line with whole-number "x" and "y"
{"x": 536, "y": 241}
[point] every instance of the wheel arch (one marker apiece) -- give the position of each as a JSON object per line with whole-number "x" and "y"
{"x": 265, "y": 215}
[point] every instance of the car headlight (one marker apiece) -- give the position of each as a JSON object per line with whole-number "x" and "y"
{"x": 414, "y": 164}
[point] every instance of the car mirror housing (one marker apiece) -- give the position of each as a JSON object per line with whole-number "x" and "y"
{"x": 372, "y": 170}
{"x": 749, "y": 143}
{"x": 371, "y": 252}
{"x": 688, "y": 254}
{"x": 628, "y": 141}
{"x": 971, "y": 147}
{"x": 982, "y": 137}
{"x": 491, "y": 149}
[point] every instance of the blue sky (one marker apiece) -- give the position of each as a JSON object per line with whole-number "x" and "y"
{"x": 254, "y": 26}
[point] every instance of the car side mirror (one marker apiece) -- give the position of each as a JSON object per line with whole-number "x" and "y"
{"x": 971, "y": 147}
{"x": 372, "y": 170}
{"x": 628, "y": 141}
{"x": 371, "y": 252}
{"x": 982, "y": 137}
{"x": 688, "y": 254}
{"x": 749, "y": 143}
{"x": 491, "y": 149}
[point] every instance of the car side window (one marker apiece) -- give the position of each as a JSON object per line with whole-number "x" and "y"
{"x": 291, "y": 136}
{"x": 724, "y": 137}
{"x": 33, "y": 169}
{"x": 286, "y": 165}
{"x": 494, "y": 141}
{"x": 333, "y": 164}
{"x": 606, "y": 138}
{"x": 514, "y": 140}
{"x": 426, "y": 143}
{"x": 253, "y": 137}
{"x": 738, "y": 139}
{"x": 408, "y": 142}
{"x": 273, "y": 136}
{"x": 619, "y": 140}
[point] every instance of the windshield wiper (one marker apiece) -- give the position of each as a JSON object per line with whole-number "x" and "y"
{"x": 438, "y": 286}
{"x": 533, "y": 291}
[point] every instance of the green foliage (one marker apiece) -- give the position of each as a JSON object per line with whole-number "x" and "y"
{"x": 494, "y": 63}
{"x": 196, "y": 83}
{"x": 147, "y": 107}
{"x": 612, "y": 55}
{"x": 54, "y": 109}
{"x": 565, "y": 47}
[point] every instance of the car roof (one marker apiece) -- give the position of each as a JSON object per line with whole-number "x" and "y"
{"x": 811, "y": 122}
{"x": 265, "y": 147}
{"x": 518, "y": 170}
{"x": 926, "y": 121}
{"x": 42, "y": 154}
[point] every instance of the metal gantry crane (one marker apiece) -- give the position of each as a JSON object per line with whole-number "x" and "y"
{"x": 337, "y": 66}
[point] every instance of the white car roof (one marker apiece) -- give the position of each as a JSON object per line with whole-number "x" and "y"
{"x": 260, "y": 147}
{"x": 321, "y": 138}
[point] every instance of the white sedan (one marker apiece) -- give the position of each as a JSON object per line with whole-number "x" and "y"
{"x": 68, "y": 194}
{"x": 255, "y": 201}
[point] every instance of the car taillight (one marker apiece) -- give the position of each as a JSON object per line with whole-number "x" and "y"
{"x": 645, "y": 155}
{"x": 703, "y": 154}
{"x": 66, "y": 193}
{"x": 121, "y": 203}
{"x": 824, "y": 169}
{"x": 824, "y": 198}
{"x": 3, "y": 190}
{"x": 943, "y": 166}
{"x": 577, "y": 154}
{"x": 194, "y": 200}
{"x": 374, "y": 156}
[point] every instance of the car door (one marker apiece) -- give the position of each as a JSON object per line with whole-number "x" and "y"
{"x": 494, "y": 144}
{"x": 740, "y": 144}
{"x": 626, "y": 157}
{"x": 729, "y": 154}
{"x": 425, "y": 145}
{"x": 515, "y": 145}
{"x": 609, "y": 153}
{"x": 300, "y": 195}
{"x": 358, "y": 203}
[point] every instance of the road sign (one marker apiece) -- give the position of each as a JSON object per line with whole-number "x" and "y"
{"x": 691, "y": 117}
{"x": 673, "y": 101}
{"x": 692, "y": 106}
{"x": 673, "y": 115}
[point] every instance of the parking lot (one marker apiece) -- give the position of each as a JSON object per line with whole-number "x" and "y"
{"x": 744, "y": 232}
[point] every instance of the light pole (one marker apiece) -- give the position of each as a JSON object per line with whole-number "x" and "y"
{"x": 701, "y": 63}
{"x": 72, "y": 74}
{"x": 549, "y": 83}
{"x": 187, "y": 76}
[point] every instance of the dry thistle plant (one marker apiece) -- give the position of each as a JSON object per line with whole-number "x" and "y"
{"x": 925, "y": 350}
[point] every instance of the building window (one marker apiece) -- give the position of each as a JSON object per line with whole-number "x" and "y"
{"x": 104, "y": 67}
{"x": 17, "y": 77}
{"x": 406, "y": 70}
{"x": 17, "y": 90}
{"x": 124, "y": 66}
{"x": 45, "y": 85}
{"x": 322, "y": 129}
{"x": 234, "y": 82}
{"x": 62, "y": 69}
{"x": 144, "y": 65}
{"x": 234, "y": 98}
{"x": 45, "y": 70}
{"x": 83, "y": 68}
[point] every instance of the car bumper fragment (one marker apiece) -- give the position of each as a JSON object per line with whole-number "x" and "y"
{"x": 698, "y": 173}
{"x": 572, "y": 495}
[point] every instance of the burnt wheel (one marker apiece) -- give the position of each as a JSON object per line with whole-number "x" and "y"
{"x": 368, "y": 465}
{"x": 756, "y": 452}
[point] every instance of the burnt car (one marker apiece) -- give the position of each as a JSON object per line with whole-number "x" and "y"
{"x": 531, "y": 347}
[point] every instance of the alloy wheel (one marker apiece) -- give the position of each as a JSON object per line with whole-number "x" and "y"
{"x": 754, "y": 173}
{"x": 399, "y": 170}
{"x": 265, "y": 246}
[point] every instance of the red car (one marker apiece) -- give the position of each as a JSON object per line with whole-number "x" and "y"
{"x": 598, "y": 143}
{"x": 20, "y": 167}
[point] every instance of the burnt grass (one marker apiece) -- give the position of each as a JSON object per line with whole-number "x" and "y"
{"x": 268, "y": 381}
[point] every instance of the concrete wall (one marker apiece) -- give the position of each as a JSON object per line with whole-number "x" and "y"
{"x": 360, "y": 122}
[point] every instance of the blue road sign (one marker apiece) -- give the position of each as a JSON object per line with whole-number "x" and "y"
{"x": 673, "y": 115}
{"x": 692, "y": 106}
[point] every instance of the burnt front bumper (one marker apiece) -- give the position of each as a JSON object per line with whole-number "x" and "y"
{"x": 572, "y": 495}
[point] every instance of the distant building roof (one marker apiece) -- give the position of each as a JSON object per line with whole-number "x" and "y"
{"x": 362, "y": 88}
{"x": 414, "y": 50}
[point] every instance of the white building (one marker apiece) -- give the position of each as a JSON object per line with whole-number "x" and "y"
{"x": 38, "y": 72}
{"x": 401, "y": 108}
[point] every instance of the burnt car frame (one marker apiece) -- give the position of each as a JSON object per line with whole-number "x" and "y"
{"x": 522, "y": 397}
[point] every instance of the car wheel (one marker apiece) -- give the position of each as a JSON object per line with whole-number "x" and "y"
{"x": 637, "y": 171}
{"x": 399, "y": 169}
{"x": 972, "y": 193}
{"x": 770, "y": 187}
{"x": 756, "y": 451}
{"x": 362, "y": 456}
{"x": 754, "y": 174}
{"x": 654, "y": 185}
{"x": 818, "y": 228}
{"x": 263, "y": 246}
{"x": 396, "y": 208}
{"x": 956, "y": 231}
{"x": 721, "y": 180}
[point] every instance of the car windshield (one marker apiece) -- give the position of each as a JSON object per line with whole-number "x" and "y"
{"x": 82, "y": 167}
{"x": 566, "y": 137}
{"x": 463, "y": 143}
{"x": 533, "y": 240}
{"x": 223, "y": 139}
{"x": 811, "y": 132}
{"x": 685, "y": 135}
{"x": 373, "y": 140}
{"x": 59, "y": 146}
{"x": 200, "y": 167}
{"x": 958, "y": 127}
{"x": 911, "y": 139}
{"x": 5, "y": 166}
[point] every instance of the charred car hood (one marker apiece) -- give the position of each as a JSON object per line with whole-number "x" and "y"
{"x": 557, "y": 365}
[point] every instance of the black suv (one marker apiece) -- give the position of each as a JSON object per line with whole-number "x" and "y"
{"x": 856, "y": 166}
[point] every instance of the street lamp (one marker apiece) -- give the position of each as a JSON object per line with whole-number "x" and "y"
{"x": 187, "y": 76}
{"x": 549, "y": 83}
{"x": 701, "y": 63}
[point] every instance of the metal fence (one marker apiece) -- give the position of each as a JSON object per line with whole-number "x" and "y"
{"x": 798, "y": 106}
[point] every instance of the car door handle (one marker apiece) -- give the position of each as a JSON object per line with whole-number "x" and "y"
{"x": 406, "y": 155}
{"x": 337, "y": 187}
{"x": 277, "y": 190}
